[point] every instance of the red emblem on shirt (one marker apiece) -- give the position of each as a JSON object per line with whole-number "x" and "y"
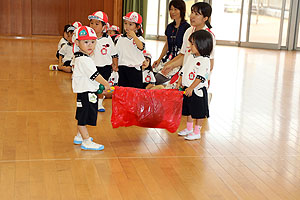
{"x": 148, "y": 79}
{"x": 192, "y": 76}
{"x": 133, "y": 42}
{"x": 198, "y": 63}
{"x": 104, "y": 51}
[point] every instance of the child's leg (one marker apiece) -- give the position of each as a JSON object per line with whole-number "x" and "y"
{"x": 87, "y": 143}
{"x": 198, "y": 126}
{"x": 196, "y": 133}
{"x": 84, "y": 132}
{"x": 157, "y": 87}
{"x": 67, "y": 69}
{"x": 100, "y": 103}
{"x": 189, "y": 127}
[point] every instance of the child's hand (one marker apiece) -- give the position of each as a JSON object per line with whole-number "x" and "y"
{"x": 107, "y": 86}
{"x": 131, "y": 34}
{"x": 189, "y": 91}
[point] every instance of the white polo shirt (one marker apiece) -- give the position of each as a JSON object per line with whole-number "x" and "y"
{"x": 66, "y": 52}
{"x": 129, "y": 54}
{"x": 195, "y": 67}
{"x": 84, "y": 74}
{"x": 104, "y": 52}
{"x": 61, "y": 42}
{"x": 186, "y": 44}
{"x": 148, "y": 77}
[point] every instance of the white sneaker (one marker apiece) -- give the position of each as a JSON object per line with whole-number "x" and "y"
{"x": 78, "y": 139}
{"x": 88, "y": 144}
{"x": 185, "y": 132}
{"x": 193, "y": 136}
{"x": 100, "y": 106}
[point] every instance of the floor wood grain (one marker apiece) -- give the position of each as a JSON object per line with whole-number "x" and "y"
{"x": 250, "y": 146}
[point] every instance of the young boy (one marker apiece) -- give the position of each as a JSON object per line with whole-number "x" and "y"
{"x": 85, "y": 82}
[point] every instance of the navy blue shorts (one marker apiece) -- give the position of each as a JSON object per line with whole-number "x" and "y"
{"x": 87, "y": 108}
{"x": 105, "y": 71}
{"x": 130, "y": 77}
{"x": 196, "y": 106}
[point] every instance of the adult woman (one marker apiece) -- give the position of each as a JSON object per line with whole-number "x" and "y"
{"x": 174, "y": 32}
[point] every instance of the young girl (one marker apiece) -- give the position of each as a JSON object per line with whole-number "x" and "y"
{"x": 85, "y": 82}
{"x": 200, "y": 14}
{"x": 130, "y": 48}
{"x": 194, "y": 79}
{"x": 148, "y": 75}
{"x": 113, "y": 31}
{"x": 105, "y": 55}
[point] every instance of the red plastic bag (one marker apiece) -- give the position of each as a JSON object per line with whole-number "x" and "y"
{"x": 146, "y": 108}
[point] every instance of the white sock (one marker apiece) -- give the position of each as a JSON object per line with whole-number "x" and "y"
{"x": 100, "y": 101}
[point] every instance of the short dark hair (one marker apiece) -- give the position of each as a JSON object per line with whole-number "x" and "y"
{"x": 203, "y": 41}
{"x": 180, "y": 5}
{"x": 67, "y": 27}
{"x": 204, "y": 9}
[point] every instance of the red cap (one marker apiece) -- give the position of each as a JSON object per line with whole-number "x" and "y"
{"x": 147, "y": 54}
{"x": 76, "y": 24}
{"x": 113, "y": 28}
{"x": 85, "y": 33}
{"x": 133, "y": 17}
{"x": 99, "y": 15}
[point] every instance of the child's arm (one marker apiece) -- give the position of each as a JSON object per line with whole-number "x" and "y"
{"x": 179, "y": 83}
{"x": 60, "y": 60}
{"x": 115, "y": 64}
{"x": 189, "y": 90}
{"x": 102, "y": 81}
{"x": 212, "y": 61}
{"x": 139, "y": 43}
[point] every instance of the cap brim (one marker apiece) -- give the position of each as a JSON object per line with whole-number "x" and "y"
{"x": 87, "y": 38}
{"x": 128, "y": 19}
{"x": 90, "y": 17}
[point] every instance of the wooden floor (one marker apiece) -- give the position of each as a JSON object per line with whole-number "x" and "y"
{"x": 250, "y": 146}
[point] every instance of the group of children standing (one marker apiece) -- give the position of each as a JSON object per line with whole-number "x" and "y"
{"x": 96, "y": 55}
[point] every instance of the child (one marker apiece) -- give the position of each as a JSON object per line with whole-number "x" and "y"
{"x": 130, "y": 48}
{"x": 148, "y": 75}
{"x": 105, "y": 55}
{"x": 113, "y": 31}
{"x": 85, "y": 82}
{"x": 64, "y": 39}
{"x": 194, "y": 79}
{"x": 66, "y": 53}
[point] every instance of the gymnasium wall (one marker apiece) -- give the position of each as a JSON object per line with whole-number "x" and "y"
{"x": 48, "y": 17}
